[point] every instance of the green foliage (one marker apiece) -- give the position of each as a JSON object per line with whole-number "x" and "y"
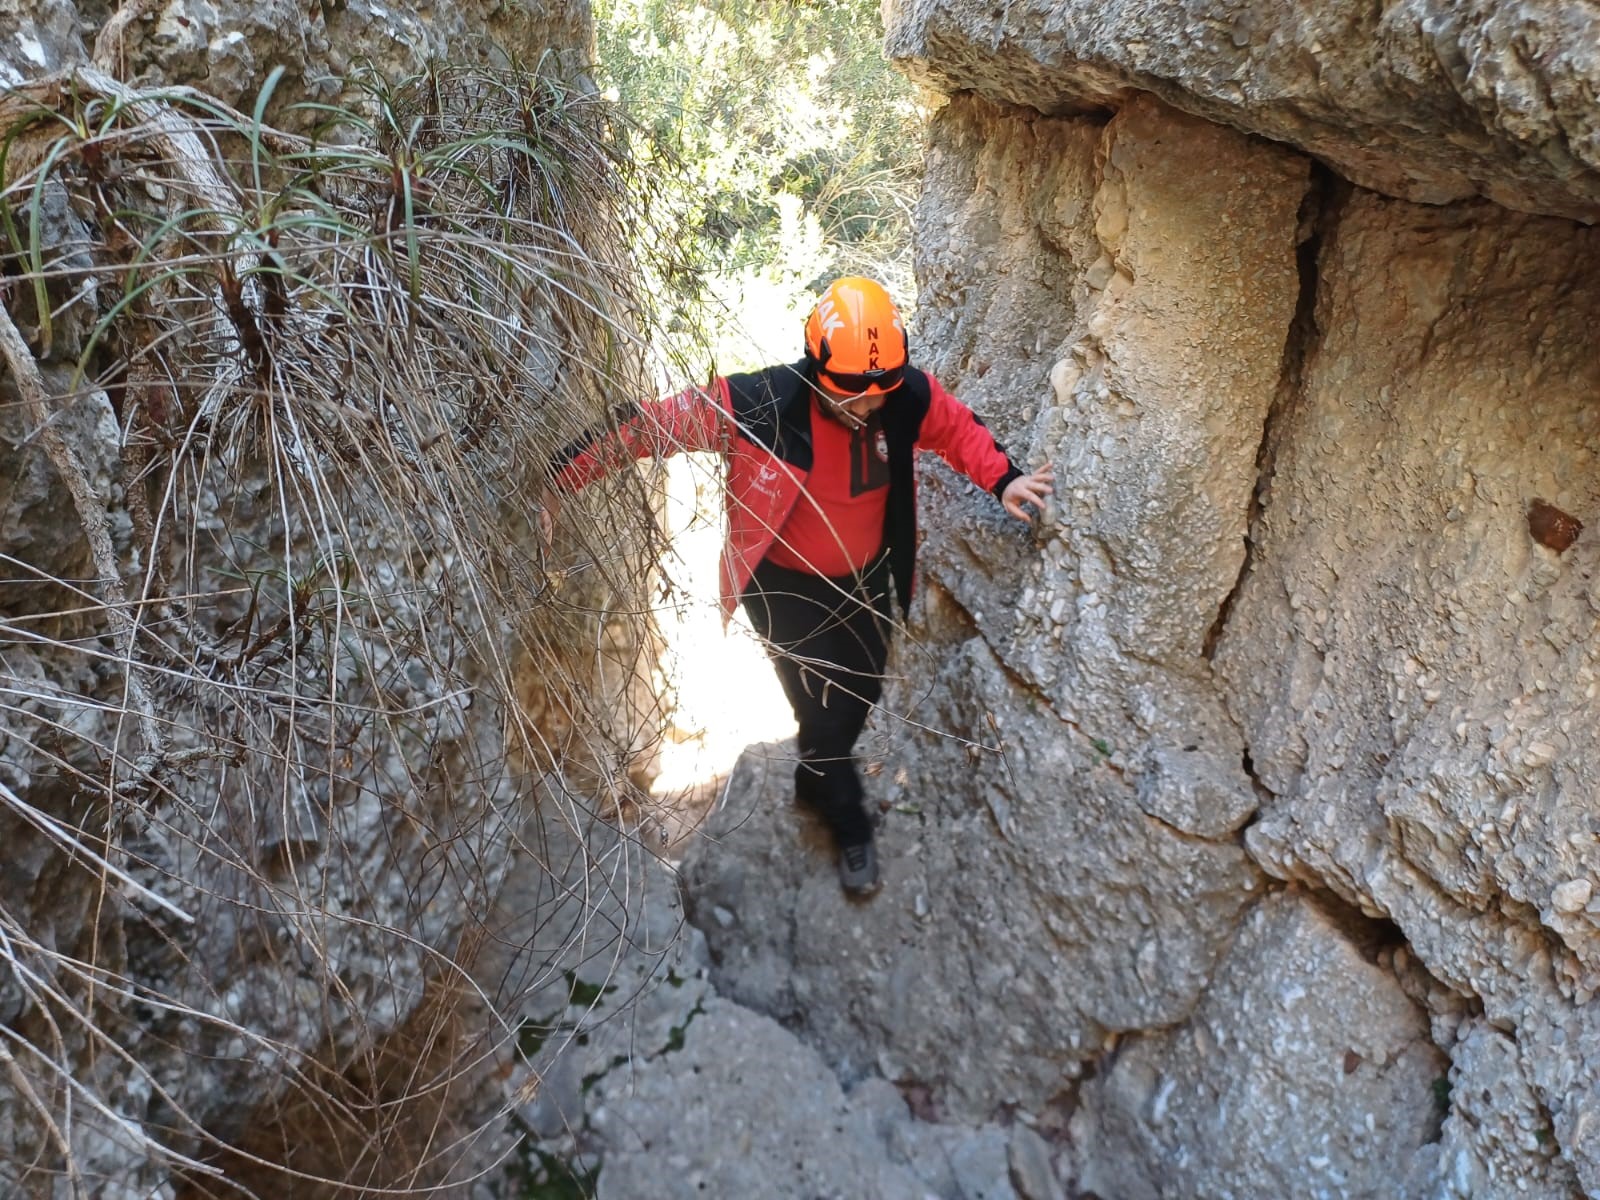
{"x": 1441, "y": 1093}
{"x": 594, "y": 1077}
{"x": 676, "y": 1035}
{"x": 543, "y": 1176}
{"x": 799, "y": 145}
{"x": 586, "y": 995}
{"x": 533, "y": 1032}
{"x": 564, "y": 1182}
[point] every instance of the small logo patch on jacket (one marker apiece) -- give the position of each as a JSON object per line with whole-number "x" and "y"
{"x": 869, "y": 457}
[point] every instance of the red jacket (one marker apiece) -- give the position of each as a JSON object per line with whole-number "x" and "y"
{"x": 761, "y": 424}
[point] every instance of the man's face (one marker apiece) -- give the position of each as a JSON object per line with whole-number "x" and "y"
{"x": 848, "y": 410}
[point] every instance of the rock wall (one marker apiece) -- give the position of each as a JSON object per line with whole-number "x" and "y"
{"x": 1310, "y": 616}
{"x": 1427, "y": 100}
{"x": 1420, "y": 727}
{"x": 229, "y": 49}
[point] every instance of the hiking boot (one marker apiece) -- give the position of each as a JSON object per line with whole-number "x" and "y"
{"x": 858, "y": 869}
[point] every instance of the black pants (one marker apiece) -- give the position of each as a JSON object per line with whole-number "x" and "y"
{"x": 829, "y": 640}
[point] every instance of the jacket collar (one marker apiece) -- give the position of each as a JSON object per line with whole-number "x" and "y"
{"x": 793, "y": 433}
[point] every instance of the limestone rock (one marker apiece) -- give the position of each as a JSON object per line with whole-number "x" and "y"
{"x": 1429, "y": 100}
{"x": 762, "y": 1119}
{"x": 328, "y": 50}
{"x": 35, "y": 505}
{"x": 646, "y": 1073}
{"x": 1015, "y": 928}
{"x": 325, "y": 47}
{"x": 1148, "y": 390}
{"x": 1423, "y": 723}
{"x": 590, "y": 954}
{"x": 37, "y": 37}
{"x": 1497, "y": 1141}
{"x": 1032, "y": 1170}
{"x": 1305, "y": 1071}
{"x": 1395, "y": 671}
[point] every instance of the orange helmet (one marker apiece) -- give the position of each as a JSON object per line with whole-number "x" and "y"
{"x": 855, "y": 339}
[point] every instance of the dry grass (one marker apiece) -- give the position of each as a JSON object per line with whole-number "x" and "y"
{"x": 264, "y": 731}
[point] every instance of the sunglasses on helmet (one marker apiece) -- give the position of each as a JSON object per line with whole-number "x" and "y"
{"x": 856, "y": 382}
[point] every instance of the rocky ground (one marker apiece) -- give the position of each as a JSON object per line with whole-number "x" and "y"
{"x": 668, "y": 1063}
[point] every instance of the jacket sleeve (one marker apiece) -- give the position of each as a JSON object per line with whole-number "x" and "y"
{"x": 696, "y": 418}
{"x": 954, "y": 432}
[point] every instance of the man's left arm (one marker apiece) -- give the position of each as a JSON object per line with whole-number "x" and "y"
{"x": 956, "y": 434}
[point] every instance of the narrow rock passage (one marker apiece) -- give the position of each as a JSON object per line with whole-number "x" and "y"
{"x": 656, "y": 1084}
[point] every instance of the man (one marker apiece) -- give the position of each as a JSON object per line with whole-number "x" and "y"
{"x": 822, "y": 524}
